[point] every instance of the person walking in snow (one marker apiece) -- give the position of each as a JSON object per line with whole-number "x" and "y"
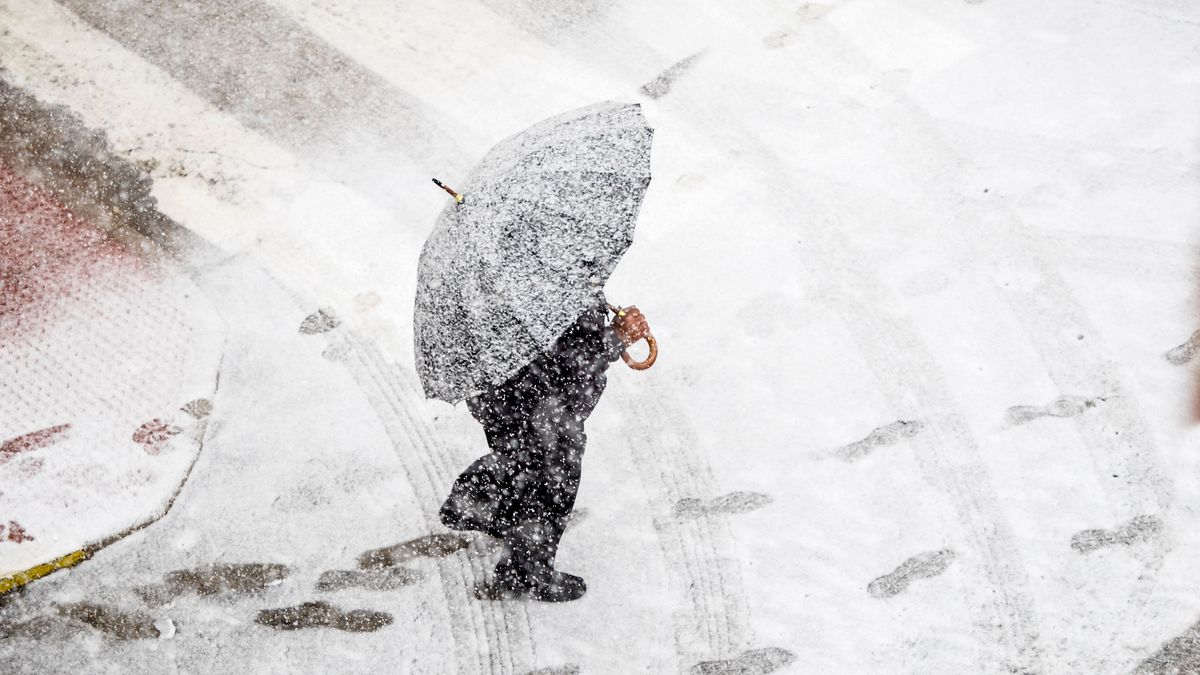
{"x": 509, "y": 315}
{"x": 524, "y": 490}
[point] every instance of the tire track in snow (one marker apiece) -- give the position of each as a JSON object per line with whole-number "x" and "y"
{"x": 490, "y": 637}
{"x": 471, "y": 628}
{"x": 1135, "y": 257}
{"x": 1119, "y": 439}
{"x": 456, "y": 618}
{"x": 948, "y": 455}
{"x": 460, "y": 623}
{"x": 1071, "y": 365}
{"x": 909, "y": 377}
{"x": 661, "y": 440}
{"x": 463, "y": 623}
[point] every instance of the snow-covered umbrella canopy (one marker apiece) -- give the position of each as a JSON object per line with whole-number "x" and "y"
{"x": 544, "y": 219}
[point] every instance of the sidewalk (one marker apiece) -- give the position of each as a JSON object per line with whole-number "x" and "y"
{"x": 109, "y": 361}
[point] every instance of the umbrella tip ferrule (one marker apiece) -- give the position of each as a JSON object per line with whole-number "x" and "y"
{"x": 457, "y": 197}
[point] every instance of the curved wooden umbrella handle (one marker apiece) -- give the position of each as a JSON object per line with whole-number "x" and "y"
{"x": 642, "y": 365}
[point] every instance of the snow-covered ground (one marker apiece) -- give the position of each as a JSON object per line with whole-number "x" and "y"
{"x": 923, "y": 274}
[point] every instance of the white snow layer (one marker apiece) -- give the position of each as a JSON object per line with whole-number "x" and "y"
{"x": 913, "y": 267}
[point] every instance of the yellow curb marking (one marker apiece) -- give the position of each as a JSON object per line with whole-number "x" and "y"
{"x": 37, "y": 572}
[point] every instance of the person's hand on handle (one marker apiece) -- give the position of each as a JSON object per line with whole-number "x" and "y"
{"x": 631, "y": 326}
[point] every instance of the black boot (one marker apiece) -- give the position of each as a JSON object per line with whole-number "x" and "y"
{"x": 527, "y": 568}
{"x": 458, "y": 513}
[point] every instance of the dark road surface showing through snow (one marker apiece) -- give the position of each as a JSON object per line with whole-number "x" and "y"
{"x": 276, "y": 77}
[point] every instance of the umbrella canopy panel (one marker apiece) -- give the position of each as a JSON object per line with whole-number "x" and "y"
{"x": 546, "y": 217}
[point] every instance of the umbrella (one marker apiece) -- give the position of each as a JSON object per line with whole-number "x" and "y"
{"x": 516, "y": 258}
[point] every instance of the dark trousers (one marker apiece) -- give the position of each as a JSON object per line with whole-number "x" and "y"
{"x": 532, "y": 474}
{"x": 534, "y": 427}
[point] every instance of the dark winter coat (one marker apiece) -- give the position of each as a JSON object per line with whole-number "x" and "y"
{"x": 534, "y": 426}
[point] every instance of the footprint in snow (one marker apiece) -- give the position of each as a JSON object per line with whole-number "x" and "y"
{"x": 1184, "y": 352}
{"x": 30, "y": 441}
{"x": 214, "y": 580}
{"x": 199, "y": 408}
{"x": 566, "y": 669}
{"x": 750, "y": 662}
{"x": 734, "y": 502}
{"x": 661, "y": 85}
{"x": 338, "y": 351}
{"x": 429, "y": 546}
{"x": 920, "y": 566}
{"x": 323, "y": 614}
{"x": 387, "y": 579}
{"x": 1140, "y": 528}
{"x": 1063, "y": 406}
{"x": 40, "y": 628}
{"x": 321, "y": 321}
{"x": 112, "y": 622}
{"x": 154, "y": 435}
{"x": 888, "y": 434}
